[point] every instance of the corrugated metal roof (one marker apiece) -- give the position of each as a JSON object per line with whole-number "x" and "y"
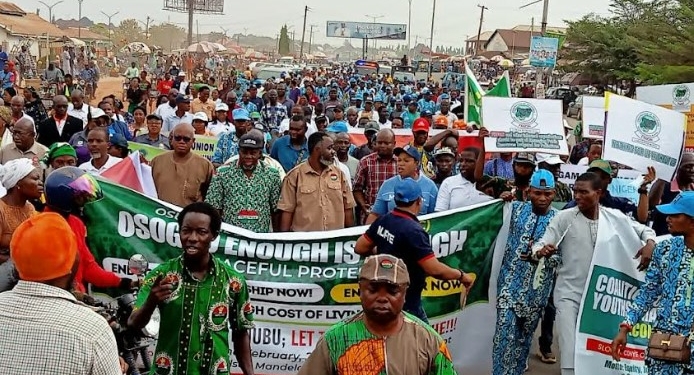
{"x": 29, "y": 24}
{"x": 86, "y": 34}
{"x": 11, "y": 9}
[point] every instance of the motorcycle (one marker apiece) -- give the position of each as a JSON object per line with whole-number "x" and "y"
{"x": 132, "y": 344}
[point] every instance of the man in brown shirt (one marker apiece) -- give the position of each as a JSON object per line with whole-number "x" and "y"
{"x": 180, "y": 176}
{"x": 315, "y": 194}
{"x": 381, "y": 339}
{"x": 203, "y": 103}
{"x": 23, "y": 144}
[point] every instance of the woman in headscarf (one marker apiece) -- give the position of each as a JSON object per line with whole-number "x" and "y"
{"x": 21, "y": 182}
{"x": 33, "y": 106}
{"x": 5, "y": 121}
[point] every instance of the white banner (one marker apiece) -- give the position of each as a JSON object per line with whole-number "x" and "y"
{"x": 676, "y": 97}
{"x": 593, "y": 116}
{"x": 621, "y": 186}
{"x": 641, "y": 135}
{"x": 516, "y": 124}
{"x": 612, "y": 284}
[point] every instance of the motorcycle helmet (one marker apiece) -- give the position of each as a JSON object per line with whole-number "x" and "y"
{"x": 70, "y": 188}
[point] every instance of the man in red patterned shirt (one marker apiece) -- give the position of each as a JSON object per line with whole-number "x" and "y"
{"x": 373, "y": 170}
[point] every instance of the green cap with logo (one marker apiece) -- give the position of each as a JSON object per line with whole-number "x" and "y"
{"x": 601, "y": 165}
{"x": 385, "y": 268}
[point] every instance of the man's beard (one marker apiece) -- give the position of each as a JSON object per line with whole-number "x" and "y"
{"x": 247, "y": 167}
{"x": 327, "y": 162}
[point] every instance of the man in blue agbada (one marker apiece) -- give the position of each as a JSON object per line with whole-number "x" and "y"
{"x": 668, "y": 286}
{"x": 521, "y": 294}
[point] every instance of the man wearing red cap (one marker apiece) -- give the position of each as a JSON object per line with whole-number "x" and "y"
{"x": 58, "y": 335}
{"x": 420, "y": 134}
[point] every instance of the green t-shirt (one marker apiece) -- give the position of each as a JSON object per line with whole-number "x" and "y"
{"x": 195, "y": 320}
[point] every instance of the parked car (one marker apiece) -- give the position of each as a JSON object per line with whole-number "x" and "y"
{"x": 575, "y": 108}
{"x": 565, "y": 94}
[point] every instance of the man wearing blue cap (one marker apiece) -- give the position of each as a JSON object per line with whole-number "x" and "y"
{"x": 519, "y": 304}
{"x": 400, "y": 234}
{"x": 228, "y": 142}
{"x": 667, "y": 286}
{"x": 409, "y": 164}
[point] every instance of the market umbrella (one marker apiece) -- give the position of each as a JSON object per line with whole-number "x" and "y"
{"x": 136, "y": 48}
{"x": 506, "y": 63}
{"x": 200, "y": 48}
{"x": 497, "y": 58}
{"x": 481, "y": 58}
{"x": 525, "y": 62}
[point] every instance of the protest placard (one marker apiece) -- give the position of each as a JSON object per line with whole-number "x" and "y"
{"x": 675, "y": 97}
{"x": 593, "y": 116}
{"x": 517, "y": 124}
{"x": 641, "y": 135}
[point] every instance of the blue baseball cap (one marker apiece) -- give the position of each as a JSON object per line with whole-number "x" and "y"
{"x": 410, "y": 150}
{"x": 407, "y": 190}
{"x": 682, "y": 204}
{"x": 542, "y": 179}
{"x": 240, "y": 114}
{"x": 337, "y": 127}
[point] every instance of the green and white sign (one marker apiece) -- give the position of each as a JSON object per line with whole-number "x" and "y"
{"x": 302, "y": 283}
{"x": 641, "y": 135}
{"x": 518, "y": 124}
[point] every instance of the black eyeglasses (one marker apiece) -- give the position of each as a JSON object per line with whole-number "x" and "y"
{"x": 179, "y": 138}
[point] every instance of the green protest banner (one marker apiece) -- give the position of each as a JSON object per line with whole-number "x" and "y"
{"x": 203, "y": 146}
{"x": 301, "y": 283}
{"x": 148, "y": 151}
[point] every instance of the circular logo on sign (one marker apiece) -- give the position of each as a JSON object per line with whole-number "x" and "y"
{"x": 680, "y": 95}
{"x": 163, "y": 364}
{"x": 648, "y": 124}
{"x": 524, "y": 115}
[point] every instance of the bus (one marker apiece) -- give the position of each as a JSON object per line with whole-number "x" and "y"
{"x": 404, "y": 73}
{"x": 366, "y": 68}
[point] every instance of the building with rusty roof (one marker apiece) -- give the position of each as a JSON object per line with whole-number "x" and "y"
{"x": 18, "y": 28}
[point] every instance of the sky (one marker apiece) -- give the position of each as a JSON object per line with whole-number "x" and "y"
{"x": 455, "y": 20}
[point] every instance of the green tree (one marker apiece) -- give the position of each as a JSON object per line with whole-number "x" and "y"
{"x": 284, "y": 41}
{"x": 167, "y": 36}
{"x": 99, "y": 28}
{"x": 128, "y": 31}
{"x": 663, "y": 40}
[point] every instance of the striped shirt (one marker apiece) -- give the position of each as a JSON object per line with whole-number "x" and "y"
{"x": 44, "y": 330}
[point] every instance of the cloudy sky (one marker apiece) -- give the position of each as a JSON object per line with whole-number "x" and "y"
{"x": 455, "y": 20}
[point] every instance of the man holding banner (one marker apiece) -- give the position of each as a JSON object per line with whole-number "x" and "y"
{"x": 520, "y": 302}
{"x": 574, "y": 234}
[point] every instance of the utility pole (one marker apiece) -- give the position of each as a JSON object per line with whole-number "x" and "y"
{"x": 479, "y": 30}
{"x": 147, "y": 28}
{"x": 79, "y": 24}
{"x": 225, "y": 33}
{"x": 431, "y": 40}
{"x": 303, "y": 34}
{"x": 310, "y": 38}
{"x": 197, "y": 30}
{"x": 50, "y": 9}
{"x": 293, "y": 49}
{"x": 110, "y": 26}
{"x": 191, "y": 8}
{"x": 409, "y": 27}
{"x": 545, "y": 10}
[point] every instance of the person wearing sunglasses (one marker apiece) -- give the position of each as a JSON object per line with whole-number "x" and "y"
{"x": 60, "y": 127}
{"x": 181, "y": 177}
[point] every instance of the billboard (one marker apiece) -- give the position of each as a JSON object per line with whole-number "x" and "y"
{"x": 364, "y": 30}
{"x": 199, "y": 6}
{"x": 543, "y": 52}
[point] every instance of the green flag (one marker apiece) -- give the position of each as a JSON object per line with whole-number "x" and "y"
{"x": 473, "y": 98}
{"x": 502, "y": 88}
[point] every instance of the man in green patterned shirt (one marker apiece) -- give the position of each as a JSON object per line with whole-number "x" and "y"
{"x": 382, "y": 339}
{"x": 246, "y": 193}
{"x": 200, "y": 299}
